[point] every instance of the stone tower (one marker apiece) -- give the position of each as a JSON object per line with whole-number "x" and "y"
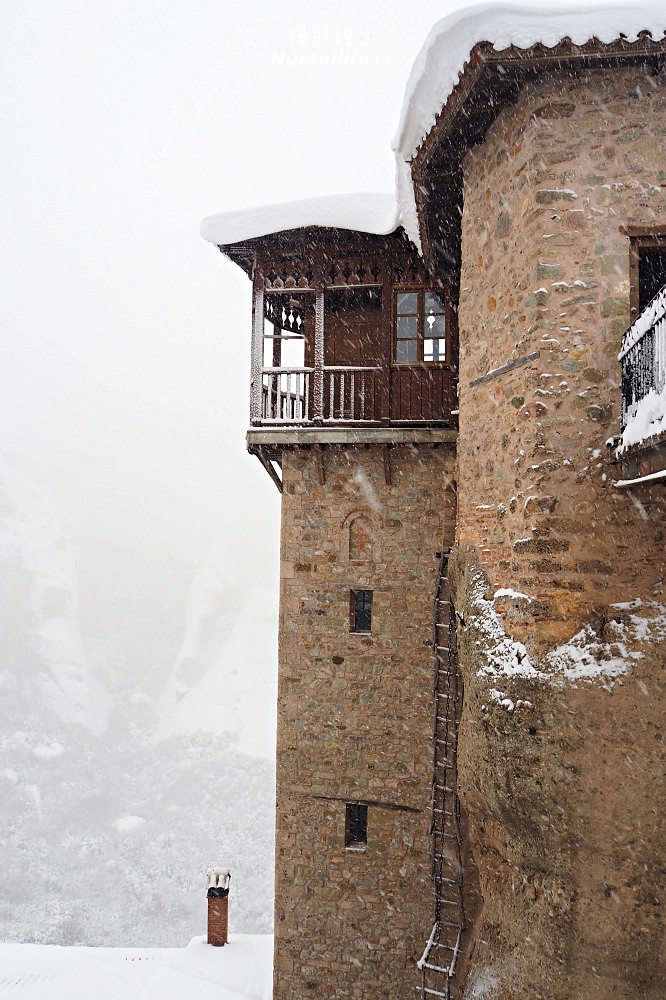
{"x": 526, "y": 271}
{"x": 353, "y": 415}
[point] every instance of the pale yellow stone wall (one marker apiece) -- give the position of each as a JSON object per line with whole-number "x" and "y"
{"x": 546, "y": 268}
{"x": 355, "y": 719}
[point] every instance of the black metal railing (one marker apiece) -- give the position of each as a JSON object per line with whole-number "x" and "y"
{"x": 643, "y": 356}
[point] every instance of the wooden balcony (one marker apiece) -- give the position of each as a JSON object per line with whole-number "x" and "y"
{"x": 354, "y": 335}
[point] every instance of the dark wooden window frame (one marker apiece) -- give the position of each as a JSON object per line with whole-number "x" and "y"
{"x": 360, "y": 611}
{"x": 449, "y": 313}
{"x": 356, "y": 826}
{"x": 641, "y": 238}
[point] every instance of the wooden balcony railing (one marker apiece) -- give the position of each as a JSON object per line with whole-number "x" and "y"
{"x": 643, "y": 355}
{"x": 285, "y": 396}
{"x": 350, "y": 395}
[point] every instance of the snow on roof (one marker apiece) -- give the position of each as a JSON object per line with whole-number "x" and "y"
{"x": 447, "y": 48}
{"x": 434, "y": 75}
{"x": 367, "y": 213}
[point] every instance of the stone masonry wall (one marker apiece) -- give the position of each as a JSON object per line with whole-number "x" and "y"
{"x": 546, "y": 268}
{"x": 355, "y": 717}
{"x": 561, "y": 751}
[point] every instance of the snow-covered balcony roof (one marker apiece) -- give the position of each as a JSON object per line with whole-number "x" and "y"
{"x": 365, "y": 213}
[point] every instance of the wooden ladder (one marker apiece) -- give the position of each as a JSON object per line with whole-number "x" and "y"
{"x": 437, "y": 965}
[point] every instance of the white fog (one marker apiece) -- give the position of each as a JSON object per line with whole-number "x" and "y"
{"x": 138, "y": 540}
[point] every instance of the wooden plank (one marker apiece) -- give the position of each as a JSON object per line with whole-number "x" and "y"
{"x": 505, "y": 368}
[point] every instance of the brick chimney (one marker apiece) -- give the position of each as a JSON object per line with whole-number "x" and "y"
{"x": 218, "y": 905}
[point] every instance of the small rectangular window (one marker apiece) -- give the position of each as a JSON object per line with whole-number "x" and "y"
{"x": 421, "y": 327}
{"x": 356, "y": 825}
{"x": 360, "y": 611}
{"x": 647, "y": 267}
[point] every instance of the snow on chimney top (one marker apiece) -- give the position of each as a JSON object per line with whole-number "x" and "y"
{"x": 218, "y": 878}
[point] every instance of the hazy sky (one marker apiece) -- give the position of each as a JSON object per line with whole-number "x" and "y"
{"x": 125, "y": 336}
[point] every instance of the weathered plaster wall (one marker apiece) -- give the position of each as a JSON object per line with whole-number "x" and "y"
{"x": 562, "y": 778}
{"x": 355, "y": 718}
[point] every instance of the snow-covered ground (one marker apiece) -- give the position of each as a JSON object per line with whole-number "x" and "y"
{"x": 241, "y": 970}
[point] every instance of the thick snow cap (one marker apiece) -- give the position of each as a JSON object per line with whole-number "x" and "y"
{"x": 366, "y": 213}
{"x": 436, "y": 72}
{"x": 442, "y": 59}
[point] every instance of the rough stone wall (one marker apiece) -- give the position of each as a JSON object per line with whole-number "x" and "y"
{"x": 561, "y": 775}
{"x": 546, "y": 268}
{"x": 355, "y": 717}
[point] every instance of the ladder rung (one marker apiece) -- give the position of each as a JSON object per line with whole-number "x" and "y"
{"x": 435, "y": 968}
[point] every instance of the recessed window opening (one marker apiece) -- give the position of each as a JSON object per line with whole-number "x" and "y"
{"x": 647, "y": 267}
{"x": 356, "y": 825}
{"x": 360, "y": 611}
{"x": 651, "y": 274}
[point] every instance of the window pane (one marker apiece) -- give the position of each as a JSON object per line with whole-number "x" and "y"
{"x": 361, "y": 611}
{"x": 407, "y": 303}
{"x": 434, "y": 350}
{"x": 356, "y": 832}
{"x": 435, "y": 325}
{"x": 651, "y": 274}
{"x": 407, "y": 328}
{"x": 406, "y": 351}
{"x": 433, "y": 303}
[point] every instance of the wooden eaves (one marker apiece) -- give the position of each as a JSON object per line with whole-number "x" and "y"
{"x": 490, "y": 82}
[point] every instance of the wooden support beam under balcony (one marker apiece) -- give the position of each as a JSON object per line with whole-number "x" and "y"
{"x": 270, "y": 443}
